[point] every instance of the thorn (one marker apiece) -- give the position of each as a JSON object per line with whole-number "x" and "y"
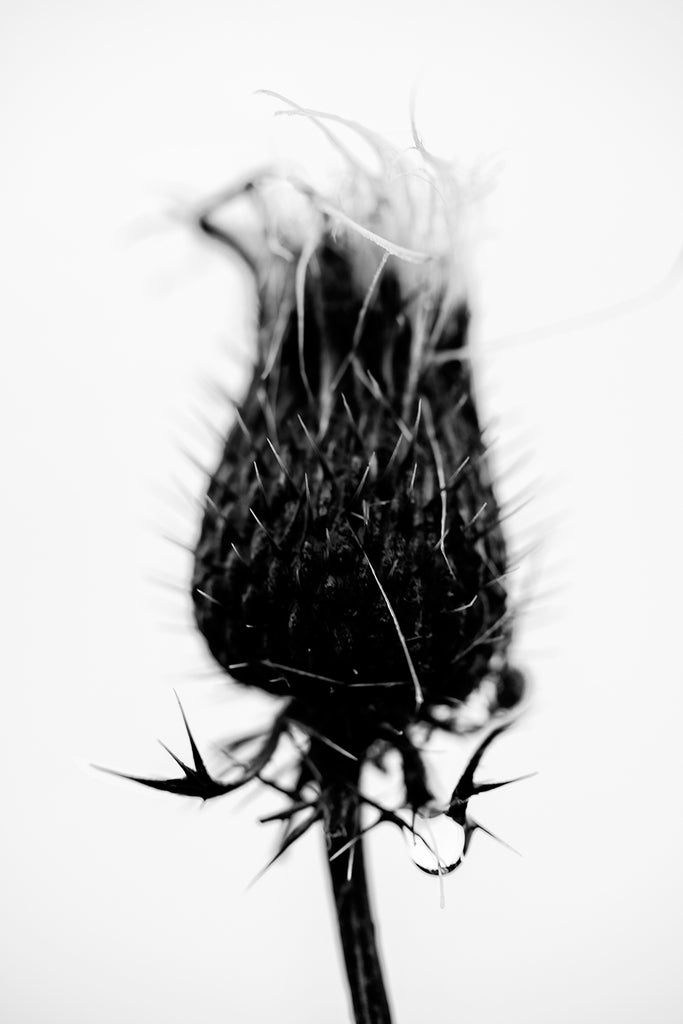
{"x": 361, "y": 485}
{"x": 465, "y": 786}
{"x": 482, "y": 828}
{"x": 211, "y": 600}
{"x": 321, "y": 458}
{"x": 282, "y": 466}
{"x": 488, "y": 787}
{"x": 287, "y": 669}
{"x": 454, "y": 476}
{"x": 197, "y": 757}
{"x": 181, "y": 764}
{"x": 243, "y": 427}
{"x": 393, "y": 456}
{"x": 419, "y": 695}
{"x": 240, "y": 556}
{"x": 288, "y": 812}
{"x": 480, "y": 511}
{"x": 288, "y": 841}
{"x": 259, "y": 480}
{"x": 197, "y": 781}
{"x": 354, "y": 425}
{"x": 268, "y": 535}
{"x": 310, "y": 731}
{"x": 267, "y": 410}
{"x": 355, "y": 839}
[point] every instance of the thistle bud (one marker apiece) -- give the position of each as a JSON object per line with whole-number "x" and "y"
{"x": 351, "y": 560}
{"x": 351, "y": 557}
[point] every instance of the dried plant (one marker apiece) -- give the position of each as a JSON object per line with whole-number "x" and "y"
{"x": 351, "y": 560}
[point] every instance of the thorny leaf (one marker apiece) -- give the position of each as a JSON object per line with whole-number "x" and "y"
{"x": 466, "y": 788}
{"x": 197, "y": 781}
{"x": 296, "y": 833}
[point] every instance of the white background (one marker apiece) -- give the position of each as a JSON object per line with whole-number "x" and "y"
{"x": 124, "y": 905}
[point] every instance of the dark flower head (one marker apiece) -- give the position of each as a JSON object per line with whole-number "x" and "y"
{"x": 351, "y": 556}
{"x": 351, "y": 559}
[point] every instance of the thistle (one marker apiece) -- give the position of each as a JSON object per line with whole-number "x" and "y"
{"x": 351, "y": 560}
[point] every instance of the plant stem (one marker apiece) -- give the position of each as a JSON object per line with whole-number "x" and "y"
{"x": 356, "y": 927}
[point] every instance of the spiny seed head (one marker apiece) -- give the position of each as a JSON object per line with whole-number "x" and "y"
{"x": 351, "y": 557}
